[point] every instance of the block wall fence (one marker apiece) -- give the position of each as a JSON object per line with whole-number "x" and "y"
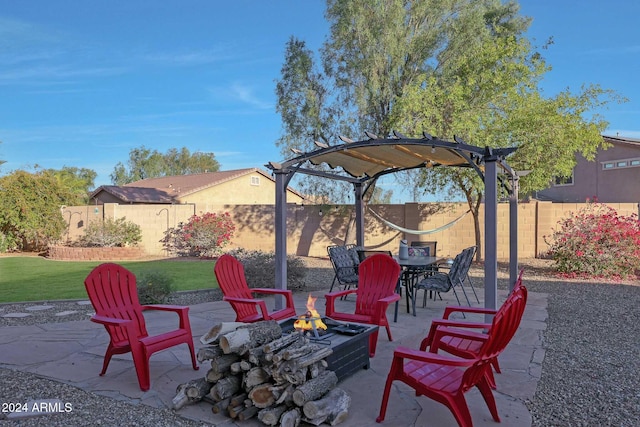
{"x": 310, "y": 229}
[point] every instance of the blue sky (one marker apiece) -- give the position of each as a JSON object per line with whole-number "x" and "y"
{"x": 84, "y": 82}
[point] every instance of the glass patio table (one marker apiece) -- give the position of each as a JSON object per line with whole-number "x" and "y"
{"x": 409, "y": 265}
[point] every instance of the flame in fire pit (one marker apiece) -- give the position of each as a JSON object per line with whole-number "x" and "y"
{"x": 311, "y": 318}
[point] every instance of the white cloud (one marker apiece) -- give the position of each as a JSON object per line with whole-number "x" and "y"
{"x": 247, "y": 95}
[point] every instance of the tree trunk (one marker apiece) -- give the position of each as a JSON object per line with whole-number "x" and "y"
{"x": 313, "y": 357}
{"x": 281, "y": 354}
{"x": 254, "y": 377}
{"x": 223, "y": 363}
{"x": 297, "y": 350}
{"x": 220, "y": 407}
{"x": 213, "y": 376}
{"x": 218, "y": 330}
{"x": 191, "y": 392}
{"x": 238, "y": 399}
{"x": 315, "y": 388}
{"x": 262, "y": 396}
{"x": 209, "y": 352}
{"x": 317, "y": 368}
{"x": 279, "y": 343}
{"x": 250, "y": 336}
{"x": 247, "y": 413}
{"x": 226, "y": 387}
{"x": 286, "y": 395}
{"x": 291, "y": 418}
{"x": 271, "y": 416}
{"x": 333, "y": 407}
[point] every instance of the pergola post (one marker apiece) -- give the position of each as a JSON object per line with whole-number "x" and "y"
{"x": 367, "y": 160}
{"x": 359, "y": 207}
{"x": 490, "y": 234}
{"x": 281, "y": 236}
{"x": 513, "y": 232}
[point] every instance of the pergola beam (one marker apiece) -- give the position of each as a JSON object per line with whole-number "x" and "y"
{"x": 485, "y": 161}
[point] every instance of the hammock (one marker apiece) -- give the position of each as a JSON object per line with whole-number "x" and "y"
{"x": 419, "y": 232}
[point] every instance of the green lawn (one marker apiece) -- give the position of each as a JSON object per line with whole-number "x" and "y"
{"x": 39, "y": 279}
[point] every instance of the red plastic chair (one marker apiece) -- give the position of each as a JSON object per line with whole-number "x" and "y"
{"x": 446, "y": 378}
{"x": 377, "y": 280}
{"x": 440, "y": 337}
{"x": 231, "y": 279}
{"x": 113, "y": 293}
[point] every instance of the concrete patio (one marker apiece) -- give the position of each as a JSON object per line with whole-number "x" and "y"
{"x": 72, "y": 353}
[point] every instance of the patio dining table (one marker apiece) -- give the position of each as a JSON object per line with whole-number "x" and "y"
{"x": 419, "y": 263}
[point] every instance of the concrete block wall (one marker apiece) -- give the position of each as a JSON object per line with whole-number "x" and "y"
{"x": 310, "y": 229}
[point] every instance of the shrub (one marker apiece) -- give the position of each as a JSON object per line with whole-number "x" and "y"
{"x": 154, "y": 287}
{"x": 202, "y": 236}
{"x": 598, "y": 242}
{"x": 7, "y": 243}
{"x": 260, "y": 269}
{"x": 110, "y": 233}
{"x": 30, "y": 216}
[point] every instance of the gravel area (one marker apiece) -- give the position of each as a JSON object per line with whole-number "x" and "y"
{"x": 589, "y": 374}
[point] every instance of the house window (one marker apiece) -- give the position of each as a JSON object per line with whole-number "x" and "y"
{"x": 255, "y": 180}
{"x": 619, "y": 164}
{"x": 559, "y": 181}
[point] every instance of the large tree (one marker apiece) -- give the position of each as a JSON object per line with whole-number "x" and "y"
{"x": 30, "y": 210}
{"x": 146, "y": 163}
{"x": 78, "y": 181}
{"x": 448, "y": 67}
{"x": 487, "y": 93}
{"x": 374, "y": 51}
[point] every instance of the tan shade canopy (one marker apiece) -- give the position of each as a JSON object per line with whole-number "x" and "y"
{"x": 371, "y": 158}
{"x": 362, "y": 162}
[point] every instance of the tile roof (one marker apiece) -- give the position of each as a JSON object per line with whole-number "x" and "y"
{"x": 168, "y": 189}
{"x": 183, "y": 185}
{"x": 136, "y": 194}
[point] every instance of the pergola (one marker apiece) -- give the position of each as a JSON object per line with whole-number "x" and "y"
{"x": 361, "y": 163}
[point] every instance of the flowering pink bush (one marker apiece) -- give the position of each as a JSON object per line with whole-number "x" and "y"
{"x": 202, "y": 236}
{"x": 598, "y": 242}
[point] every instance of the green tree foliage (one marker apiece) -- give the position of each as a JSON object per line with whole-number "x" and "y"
{"x": 448, "y": 67}
{"x": 485, "y": 90}
{"x": 30, "y": 213}
{"x": 145, "y": 163}
{"x": 380, "y": 196}
{"x": 78, "y": 181}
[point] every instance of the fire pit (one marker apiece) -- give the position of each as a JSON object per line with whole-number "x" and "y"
{"x": 349, "y": 342}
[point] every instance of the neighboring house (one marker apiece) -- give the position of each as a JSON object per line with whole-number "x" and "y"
{"x": 250, "y": 186}
{"x": 612, "y": 177}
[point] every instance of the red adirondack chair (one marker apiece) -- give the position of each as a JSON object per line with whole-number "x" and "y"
{"x": 446, "y": 378}
{"x": 377, "y": 280}
{"x": 439, "y": 337}
{"x": 231, "y": 279}
{"x": 113, "y": 293}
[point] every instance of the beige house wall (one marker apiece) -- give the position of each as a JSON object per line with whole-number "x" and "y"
{"x": 250, "y": 189}
{"x": 310, "y": 229}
